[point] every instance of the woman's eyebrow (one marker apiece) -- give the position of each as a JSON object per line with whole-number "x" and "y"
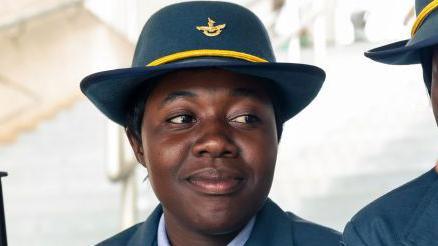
{"x": 175, "y": 95}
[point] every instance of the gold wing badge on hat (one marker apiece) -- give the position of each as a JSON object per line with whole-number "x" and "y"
{"x": 211, "y": 30}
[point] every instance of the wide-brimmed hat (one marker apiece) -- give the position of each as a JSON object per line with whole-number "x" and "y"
{"x": 424, "y": 34}
{"x": 202, "y": 34}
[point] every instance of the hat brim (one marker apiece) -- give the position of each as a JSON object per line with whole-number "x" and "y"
{"x": 399, "y": 53}
{"x": 112, "y": 91}
{"x": 408, "y": 51}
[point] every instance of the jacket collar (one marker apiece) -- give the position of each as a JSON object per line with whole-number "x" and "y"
{"x": 146, "y": 233}
{"x": 272, "y": 227}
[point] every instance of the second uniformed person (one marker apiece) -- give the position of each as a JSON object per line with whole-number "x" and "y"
{"x": 407, "y": 215}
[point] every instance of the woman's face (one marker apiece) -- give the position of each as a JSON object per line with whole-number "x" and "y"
{"x": 209, "y": 143}
{"x": 434, "y": 90}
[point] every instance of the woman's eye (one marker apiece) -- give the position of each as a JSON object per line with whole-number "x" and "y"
{"x": 246, "y": 119}
{"x": 181, "y": 119}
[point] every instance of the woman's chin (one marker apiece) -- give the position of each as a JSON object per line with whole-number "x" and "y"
{"x": 217, "y": 220}
{"x": 217, "y": 225}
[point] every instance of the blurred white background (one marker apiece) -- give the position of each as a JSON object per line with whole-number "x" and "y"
{"x": 72, "y": 181}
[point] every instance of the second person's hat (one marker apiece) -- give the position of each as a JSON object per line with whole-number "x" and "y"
{"x": 424, "y": 34}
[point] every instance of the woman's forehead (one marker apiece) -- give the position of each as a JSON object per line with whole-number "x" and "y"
{"x": 202, "y": 81}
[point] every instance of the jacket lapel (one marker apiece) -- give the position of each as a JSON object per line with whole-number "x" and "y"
{"x": 272, "y": 227}
{"x": 146, "y": 234}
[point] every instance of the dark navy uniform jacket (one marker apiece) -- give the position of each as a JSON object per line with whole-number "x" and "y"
{"x": 273, "y": 226}
{"x": 406, "y": 216}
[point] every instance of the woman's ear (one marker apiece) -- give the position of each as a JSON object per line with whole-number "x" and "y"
{"x": 435, "y": 60}
{"x": 136, "y": 146}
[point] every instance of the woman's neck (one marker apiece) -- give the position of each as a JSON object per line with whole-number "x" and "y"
{"x": 180, "y": 235}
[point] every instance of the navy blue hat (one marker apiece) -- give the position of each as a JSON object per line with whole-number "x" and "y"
{"x": 424, "y": 34}
{"x": 202, "y": 34}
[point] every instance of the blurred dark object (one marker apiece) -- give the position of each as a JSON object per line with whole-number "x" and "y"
{"x": 277, "y": 4}
{"x": 3, "y": 239}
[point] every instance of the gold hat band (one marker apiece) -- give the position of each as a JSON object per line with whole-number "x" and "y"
{"x": 205, "y": 52}
{"x": 423, "y": 15}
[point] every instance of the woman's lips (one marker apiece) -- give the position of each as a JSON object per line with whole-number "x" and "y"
{"x": 215, "y": 182}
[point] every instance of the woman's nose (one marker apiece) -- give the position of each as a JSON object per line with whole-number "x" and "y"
{"x": 215, "y": 141}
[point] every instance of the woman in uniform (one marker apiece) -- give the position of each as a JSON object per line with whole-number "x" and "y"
{"x": 203, "y": 107}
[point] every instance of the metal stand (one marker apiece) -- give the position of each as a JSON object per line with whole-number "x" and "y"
{"x": 3, "y": 239}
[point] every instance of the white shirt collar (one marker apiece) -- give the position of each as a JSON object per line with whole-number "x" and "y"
{"x": 239, "y": 240}
{"x": 161, "y": 233}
